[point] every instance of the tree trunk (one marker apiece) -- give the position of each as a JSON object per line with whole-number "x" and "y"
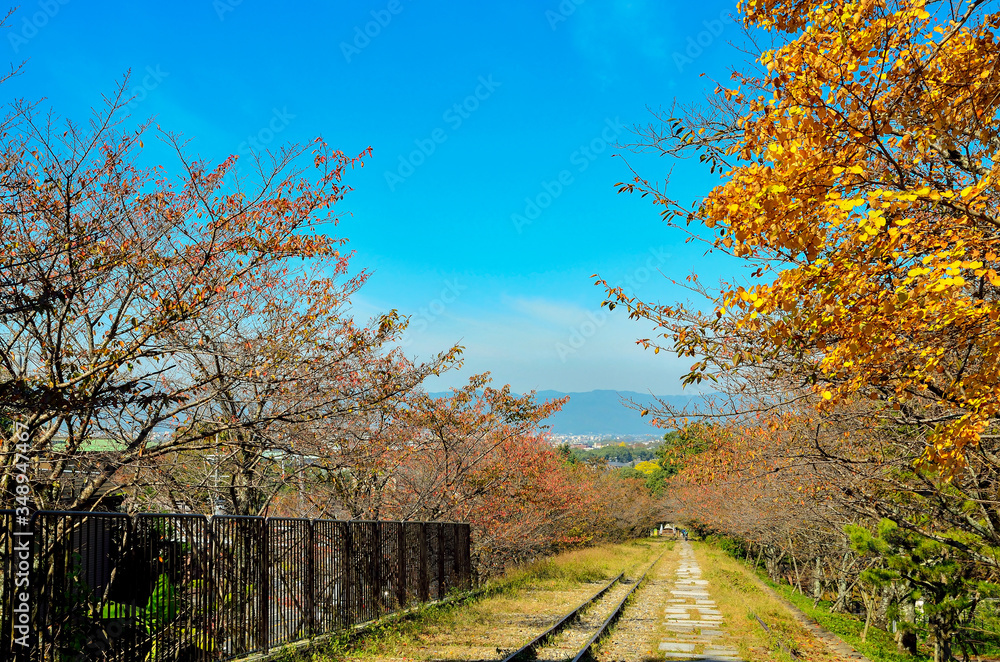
{"x": 869, "y": 601}
{"x": 942, "y": 650}
{"x": 941, "y": 633}
{"x": 840, "y": 604}
{"x": 773, "y": 565}
{"x": 906, "y": 637}
{"x": 882, "y": 613}
{"x": 817, "y": 582}
{"x": 795, "y": 567}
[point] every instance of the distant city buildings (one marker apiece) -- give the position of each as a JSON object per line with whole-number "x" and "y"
{"x": 587, "y": 441}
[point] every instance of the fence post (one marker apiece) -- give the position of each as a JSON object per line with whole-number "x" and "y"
{"x": 425, "y": 588}
{"x": 212, "y": 586}
{"x": 7, "y": 567}
{"x": 456, "y": 561}
{"x": 377, "y": 575}
{"x": 467, "y": 551}
{"x": 401, "y": 565}
{"x": 440, "y": 560}
{"x": 311, "y": 577}
{"x": 460, "y": 555}
{"x": 265, "y": 576}
{"x": 131, "y": 542}
{"x": 347, "y": 561}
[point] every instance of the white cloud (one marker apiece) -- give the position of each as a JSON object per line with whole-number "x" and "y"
{"x": 527, "y": 340}
{"x": 552, "y": 345}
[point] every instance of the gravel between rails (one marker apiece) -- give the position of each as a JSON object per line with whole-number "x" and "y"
{"x": 510, "y": 630}
{"x": 486, "y": 631}
{"x": 568, "y": 642}
{"x": 634, "y": 637}
{"x": 508, "y": 627}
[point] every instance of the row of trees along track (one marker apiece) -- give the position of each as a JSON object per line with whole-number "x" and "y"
{"x": 573, "y": 636}
{"x": 180, "y": 339}
{"x": 852, "y": 448}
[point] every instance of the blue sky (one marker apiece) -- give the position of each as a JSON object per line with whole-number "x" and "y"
{"x": 489, "y": 199}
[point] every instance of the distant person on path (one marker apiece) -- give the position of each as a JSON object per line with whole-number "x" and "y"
{"x": 684, "y": 532}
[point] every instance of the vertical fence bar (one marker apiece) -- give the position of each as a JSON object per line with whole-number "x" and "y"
{"x": 7, "y": 573}
{"x": 46, "y": 558}
{"x": 362, "y": 571}
{"x": 440, "y": 560}
{"x": 374, "y": 580}
{"x": 311, "y": 579}
{"x": 211, "y": 587}
{"x": 327, "y": 577}
{"x": 459, "y": 583}
{"x": 467, "y": 550}
{"x": 203, "y": 596}
{"x": 456, "y": 564}
{"x": 401, "y": 561}
{"x": 347, "y": 559}
{"x": 221, "y": 587}
{"x": 425, "y": 589}
{"x": 265, "y": 585}
{"x": 460, "y": 555}
{"x": 464, "y": 546}
{"x": 378, "y": 577}
{"x": 363, "y": 576}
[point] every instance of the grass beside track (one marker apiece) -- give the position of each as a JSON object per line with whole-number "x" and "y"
{"x": 738, "y": 597}
{"x": 515, "y": 607}
{"x": 879, "y": 645}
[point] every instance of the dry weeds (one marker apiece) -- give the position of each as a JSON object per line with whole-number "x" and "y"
{"x": 738, "y": 597}
{"x": 537, "y": 595}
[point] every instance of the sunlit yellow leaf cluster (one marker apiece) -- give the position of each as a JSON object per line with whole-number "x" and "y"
{"x": 867, "y": 173}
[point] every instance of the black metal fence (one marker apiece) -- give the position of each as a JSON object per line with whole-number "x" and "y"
{"x": 186, "y": 588}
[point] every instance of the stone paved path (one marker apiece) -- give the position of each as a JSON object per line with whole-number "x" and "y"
{"x": 691, "y": 617}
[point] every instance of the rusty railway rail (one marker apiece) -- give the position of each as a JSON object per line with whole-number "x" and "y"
{"x": 528, "y": 650}
{"x": 615, "y": 614}
{"x": 539, "y": 641}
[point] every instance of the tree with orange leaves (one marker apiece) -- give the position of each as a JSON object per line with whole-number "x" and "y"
{"x": 130, "y": 298}
{"x": 295, "y": 387}
{"x": 477, "y": 455}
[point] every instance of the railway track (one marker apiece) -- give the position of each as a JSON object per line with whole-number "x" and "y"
{"x": 544, "y": 646}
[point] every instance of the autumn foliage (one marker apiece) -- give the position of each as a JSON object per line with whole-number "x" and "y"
{"x": 853, "y": 437}
{"x": 857, "y": 163}
{"x": 180, "y": 339}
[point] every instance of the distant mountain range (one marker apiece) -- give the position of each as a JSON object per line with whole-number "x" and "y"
{"x": 603, "y": 412}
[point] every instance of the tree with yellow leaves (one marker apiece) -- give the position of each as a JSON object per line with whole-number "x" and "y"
{"x": 858, "y": 180}
{"x": 857, "y": 161}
